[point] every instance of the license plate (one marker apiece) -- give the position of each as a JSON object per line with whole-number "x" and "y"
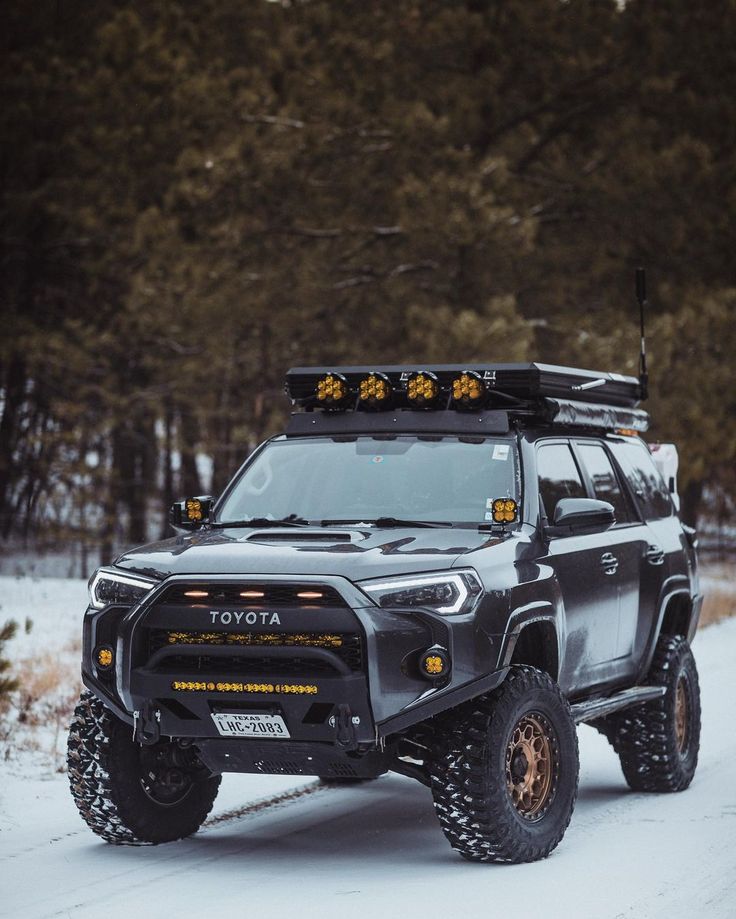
{"x": 244, "y": 724}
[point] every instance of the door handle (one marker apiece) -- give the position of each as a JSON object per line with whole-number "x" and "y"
{"x": 609, "y": 563}
{"x": 655, "y": 554}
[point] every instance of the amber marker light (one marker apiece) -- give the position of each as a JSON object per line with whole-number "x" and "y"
{"x": 422, "y": 389}
{"x": 310, "y": 595}
{"x": 505, "y": 510}
{"x": 468, "y": 390}
{"x": 196, "y": 594}
{"x": 375, "y": 391}
{"x": 333, "y": 391}
{"x": 252, "y": 594}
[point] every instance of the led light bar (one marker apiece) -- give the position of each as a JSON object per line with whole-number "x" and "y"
{"x": 295, "y": 689}
{"x": 266, "y": 639}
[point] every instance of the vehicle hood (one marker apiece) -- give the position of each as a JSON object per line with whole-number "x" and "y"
{"x": 353, "y": 553}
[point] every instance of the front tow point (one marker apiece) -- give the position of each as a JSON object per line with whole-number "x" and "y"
{"x": 344, "y": 725}
{"x": 147, "y": 725}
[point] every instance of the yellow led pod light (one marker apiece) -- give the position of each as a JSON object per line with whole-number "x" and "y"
{"x": 468, "y": 390}
{"x": 375, "y": 391}
{"x": 422, "y": 389}
{"x": 333, "y": 391}
{"x": 505, "y": 510}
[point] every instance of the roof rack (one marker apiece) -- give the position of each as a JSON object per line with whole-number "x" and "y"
{"x": 561, "y": 396}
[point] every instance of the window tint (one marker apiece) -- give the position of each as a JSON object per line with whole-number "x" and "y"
{"x": 648, "y": 485}
{"x": 558, "y": 476}
{"x": 603, "y": 479}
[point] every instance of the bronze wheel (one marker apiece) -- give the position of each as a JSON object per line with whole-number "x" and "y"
{"x": 505, "y": 770}
{"x": 532, "y": 764}
{"x": 681, "y": 714}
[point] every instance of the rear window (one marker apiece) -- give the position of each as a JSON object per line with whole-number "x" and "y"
{"x": 652, "y": 495}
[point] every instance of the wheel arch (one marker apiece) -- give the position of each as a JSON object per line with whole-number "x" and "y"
{"x": 534, "y": 640}
{"x": 679, "y": 612}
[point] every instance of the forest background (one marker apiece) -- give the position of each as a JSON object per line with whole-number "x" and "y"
{"x": 195, "y": 197}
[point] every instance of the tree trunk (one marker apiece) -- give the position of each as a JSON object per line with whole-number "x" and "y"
{"x": 188, "y": 436}
{"x": 690, "y": 500}
{"x": 167, "y": 495}
{"x": 13, "y": 389}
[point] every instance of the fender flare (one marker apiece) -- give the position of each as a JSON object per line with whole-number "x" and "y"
{"x": 524, "y": 616}
{"x": 669, "y": 590}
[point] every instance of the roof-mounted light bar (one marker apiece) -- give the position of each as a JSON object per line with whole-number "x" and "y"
{"x": 563, "y": 396}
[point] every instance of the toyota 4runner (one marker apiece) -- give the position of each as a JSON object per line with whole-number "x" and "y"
{"x": 436, "y": 571}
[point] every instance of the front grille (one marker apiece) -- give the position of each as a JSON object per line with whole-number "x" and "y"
{"x": 254, "y": 595}
{"x": 347, "y": 647}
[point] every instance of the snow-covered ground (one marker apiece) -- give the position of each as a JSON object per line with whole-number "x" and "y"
{"x": 375, "y": 849}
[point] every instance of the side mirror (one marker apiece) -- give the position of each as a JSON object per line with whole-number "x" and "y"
{"x": 191, "y": 513}
{"x": 581, "y": 515}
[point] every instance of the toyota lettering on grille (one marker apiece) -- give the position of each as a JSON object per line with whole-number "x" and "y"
{"x": 246, "y": 618}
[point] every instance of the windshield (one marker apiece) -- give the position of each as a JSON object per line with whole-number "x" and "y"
{"x": 363, "y": 479}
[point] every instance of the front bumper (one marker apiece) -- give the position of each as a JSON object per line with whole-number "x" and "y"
{"x": 342, "y": 703}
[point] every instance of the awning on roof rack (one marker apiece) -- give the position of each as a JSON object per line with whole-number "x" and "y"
{"x": 570, "y": 413}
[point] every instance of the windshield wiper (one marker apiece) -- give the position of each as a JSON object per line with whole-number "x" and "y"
{"x": 291, "y": 521}
{"x": 388, "y": 522}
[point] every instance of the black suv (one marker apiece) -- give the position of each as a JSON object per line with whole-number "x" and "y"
{"x": 436, "y": 571}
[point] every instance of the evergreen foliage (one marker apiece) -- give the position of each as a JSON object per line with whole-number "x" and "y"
{"x": 8, "y": 683}
{"x": 197, "y": 196}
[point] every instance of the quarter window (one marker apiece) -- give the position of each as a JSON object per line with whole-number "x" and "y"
{"x": 559, "y": 476}
{"x": 647, "y": 484}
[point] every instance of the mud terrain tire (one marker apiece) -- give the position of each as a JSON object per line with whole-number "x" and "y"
{"x": 658, "y": 742}
{"x": 111, "y": 781}
{"x": 504, "y": 772}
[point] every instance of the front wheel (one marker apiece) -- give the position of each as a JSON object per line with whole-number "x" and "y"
{"x": 129, "y": 794}
{"x": 505, "y": 771}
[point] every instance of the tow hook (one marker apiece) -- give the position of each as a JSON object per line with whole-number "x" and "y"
{"x": 345, "y": 726}
{"x": 147, "y": 725}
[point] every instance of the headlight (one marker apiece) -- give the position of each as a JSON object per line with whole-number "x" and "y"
{"x": 444, "y": 591}
{"x": 108, "y": 586}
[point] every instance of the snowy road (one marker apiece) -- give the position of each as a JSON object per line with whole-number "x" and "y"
{"x": 377, "y": 850}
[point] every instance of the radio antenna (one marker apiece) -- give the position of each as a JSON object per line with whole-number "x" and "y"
{"x": 641, "y": 296}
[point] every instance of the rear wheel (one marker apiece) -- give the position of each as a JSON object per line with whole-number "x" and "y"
{"x": 505, "y": 771}
{"x": 658, "y": 742}
{"x": 129, "y": 794}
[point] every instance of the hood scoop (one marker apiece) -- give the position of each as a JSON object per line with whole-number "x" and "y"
{"x": 299, "y": 537}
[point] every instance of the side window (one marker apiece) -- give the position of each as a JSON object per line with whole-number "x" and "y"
{"x": 603, "y": 479}
{"x": 647, "y": 484}
{"x": 559, "y": 476}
